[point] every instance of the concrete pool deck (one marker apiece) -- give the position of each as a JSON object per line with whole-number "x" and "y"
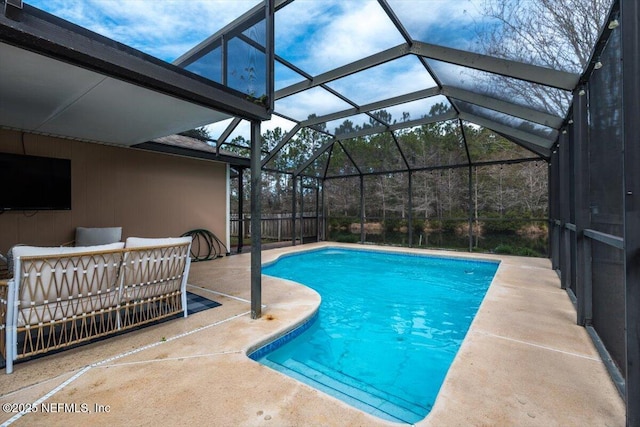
{"x": 524, "y": 362}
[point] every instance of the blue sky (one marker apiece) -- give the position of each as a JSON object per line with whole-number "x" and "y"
{"x": 314, "y": 35}
{"x": 163, "y": 28}
{"x": 332, "y": 29}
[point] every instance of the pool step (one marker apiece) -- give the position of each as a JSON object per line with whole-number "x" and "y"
{"x": 356, "y": 393}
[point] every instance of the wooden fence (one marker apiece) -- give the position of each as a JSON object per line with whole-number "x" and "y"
{"x": 278, "y": 227}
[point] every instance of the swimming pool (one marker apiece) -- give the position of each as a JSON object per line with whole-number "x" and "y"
{"x": 387, "y": 329}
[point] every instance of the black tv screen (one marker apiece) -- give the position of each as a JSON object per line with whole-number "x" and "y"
{"x": 34, "y": 183}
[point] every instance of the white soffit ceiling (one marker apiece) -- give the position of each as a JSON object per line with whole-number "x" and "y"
{"x": 44, "y": 95}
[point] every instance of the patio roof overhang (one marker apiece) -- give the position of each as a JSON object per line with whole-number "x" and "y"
{"x": 61, "y": 79}
{"x": 190, "y": 147}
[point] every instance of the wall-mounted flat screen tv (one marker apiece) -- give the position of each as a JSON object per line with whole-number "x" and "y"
{"x": 34, "y": 183}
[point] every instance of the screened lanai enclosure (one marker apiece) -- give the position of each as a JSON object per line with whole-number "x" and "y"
{"x": 445, "y": 124}
{"x": 415, "y": 116}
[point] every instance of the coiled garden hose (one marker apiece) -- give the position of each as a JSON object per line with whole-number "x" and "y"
{"x": 205, "y": 245}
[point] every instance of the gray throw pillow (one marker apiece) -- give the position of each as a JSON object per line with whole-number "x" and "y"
{"x": 97, "y": 236}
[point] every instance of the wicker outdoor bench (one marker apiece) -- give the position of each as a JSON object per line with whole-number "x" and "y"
{"x": 63, "y": 296}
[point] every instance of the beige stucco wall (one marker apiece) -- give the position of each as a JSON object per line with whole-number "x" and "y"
{"x": 148, "y": 194}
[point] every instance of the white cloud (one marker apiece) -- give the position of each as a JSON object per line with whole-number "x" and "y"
{"x": 278, "y": 122}
{"x": 360, "y": 31}
{"x": 165, "y": 29}
{"x": 244, "y": 128}
{"x": 313, "y": 101}
{"x": 216, "y": 129}
{"x": 399, "y": 77}
{"x": 421, "y": 17}
{"x": 328, "y": 34}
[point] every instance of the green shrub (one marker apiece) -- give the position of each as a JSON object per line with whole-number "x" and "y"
{"x": 347, "y": 221}
{"x": 504, "y": 249}
{"x": 450, "y": 225}
{"x": 501, "y": 226}
{"x": 347, "y": 238}
{"x": 391, "y": 224}
{"x": 527, "y": 252}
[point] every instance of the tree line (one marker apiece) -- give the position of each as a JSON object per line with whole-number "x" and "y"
{"x": 438, "y": 155}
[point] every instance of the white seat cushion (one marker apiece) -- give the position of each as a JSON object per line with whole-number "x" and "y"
{"x": 23, "y": 250}
{"x": 140, "y": 242}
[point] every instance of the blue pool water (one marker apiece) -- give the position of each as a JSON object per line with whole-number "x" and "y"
{"x": 387, "y": 329}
